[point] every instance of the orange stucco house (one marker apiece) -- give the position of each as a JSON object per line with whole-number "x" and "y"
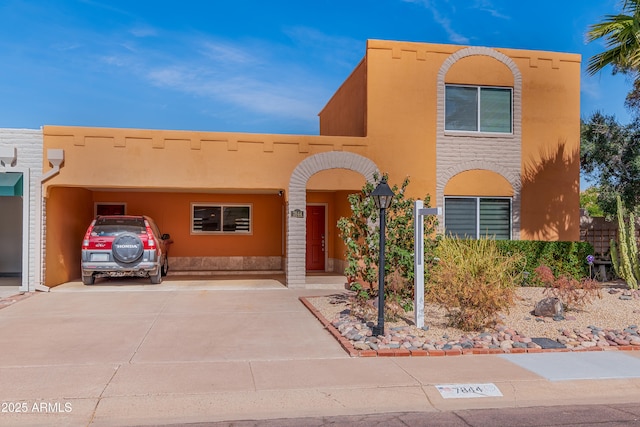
{"x": 491, "y": 134}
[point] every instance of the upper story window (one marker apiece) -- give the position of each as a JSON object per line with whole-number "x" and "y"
{"x": 478, "y": 109}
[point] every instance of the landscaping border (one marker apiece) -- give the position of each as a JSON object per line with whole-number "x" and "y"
{"x": 403, "y": 352}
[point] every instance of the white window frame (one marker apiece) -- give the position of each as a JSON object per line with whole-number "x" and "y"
{"x": 477, "y": 199}
{"x": 478, "y": 131}
{"x": 222, "y": 206}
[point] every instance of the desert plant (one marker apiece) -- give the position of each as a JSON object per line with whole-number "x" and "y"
{"x": 361, "y": 237}
{"x": 573, "y": 293}
{"x": 473, "y": 281}
{"x": 624, "y": 252}
{"x": 360, "y": 302}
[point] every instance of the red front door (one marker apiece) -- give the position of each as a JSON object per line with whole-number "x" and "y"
{"x": 315, "y": 238}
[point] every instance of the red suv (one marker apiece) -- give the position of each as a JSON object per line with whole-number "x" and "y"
{"x": 124, "y": 245}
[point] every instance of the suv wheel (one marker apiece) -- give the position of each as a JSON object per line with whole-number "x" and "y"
{"x": 127, "y": 248}
{"x": 165, "y": 267}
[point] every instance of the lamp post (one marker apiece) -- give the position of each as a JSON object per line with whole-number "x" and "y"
{"x": 382, "y": 197}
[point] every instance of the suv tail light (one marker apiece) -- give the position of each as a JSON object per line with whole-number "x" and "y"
{"x": 150, "y": 243}
{"x": 87, "y": 235}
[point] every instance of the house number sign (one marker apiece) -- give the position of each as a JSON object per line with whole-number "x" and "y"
{"x": 297, "y": 213}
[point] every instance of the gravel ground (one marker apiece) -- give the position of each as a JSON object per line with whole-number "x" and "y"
{"x": 609, "y": 312}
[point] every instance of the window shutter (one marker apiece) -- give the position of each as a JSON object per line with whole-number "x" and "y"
{"x": 495, "y": 218}
{"x": 460, "y": 217}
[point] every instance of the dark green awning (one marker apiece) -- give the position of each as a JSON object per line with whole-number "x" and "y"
{"x": 10, "y": 184}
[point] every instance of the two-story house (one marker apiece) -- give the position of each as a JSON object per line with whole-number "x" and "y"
{"x": 491, "y": 134}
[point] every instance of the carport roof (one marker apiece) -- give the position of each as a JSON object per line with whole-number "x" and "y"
{"x": 10, "y": 184}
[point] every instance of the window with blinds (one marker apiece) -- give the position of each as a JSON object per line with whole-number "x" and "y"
{"x": 209, "y": 218}
{"x": 471, "y": 217}
{"x": 478, "y": 109}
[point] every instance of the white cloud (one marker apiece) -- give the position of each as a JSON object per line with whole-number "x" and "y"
{"x": 279, "y": 99}
{"x": 224, "y": 53}
{"x": 144, "y": 31}
{"x": 488, "y": 6}
{"x": 343, "y": 52}
{"x": 441, "y": 19}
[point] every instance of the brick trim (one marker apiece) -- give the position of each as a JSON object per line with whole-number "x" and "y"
{"x": 499, "y": 154}
{"x": 297, "y": 227}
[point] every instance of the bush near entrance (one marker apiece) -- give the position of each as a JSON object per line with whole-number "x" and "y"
{"x": 360, "y": 234}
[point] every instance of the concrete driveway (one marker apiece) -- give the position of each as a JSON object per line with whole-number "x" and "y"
{"x": 132, "y": 354}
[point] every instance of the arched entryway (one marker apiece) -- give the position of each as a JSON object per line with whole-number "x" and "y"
{"x": 297, "y": 203}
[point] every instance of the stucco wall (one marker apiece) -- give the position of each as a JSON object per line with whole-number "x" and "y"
{"x": 405, "y": 100}
{"x": 172, "y": 214}
{"x": 69, "y": 212}
{"x": 345, "y": 114}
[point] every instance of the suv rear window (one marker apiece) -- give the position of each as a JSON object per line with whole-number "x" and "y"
{"x": 115, "y": 226}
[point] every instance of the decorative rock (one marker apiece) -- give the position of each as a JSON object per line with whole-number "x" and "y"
{"x": 361, "y": 346}
{"x": 506, "y": 345}
{"x": 502, "y": 337}
{"x": 549, "y": 307}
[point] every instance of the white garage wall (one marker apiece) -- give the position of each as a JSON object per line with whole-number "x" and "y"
{"x": 28, "y": 143}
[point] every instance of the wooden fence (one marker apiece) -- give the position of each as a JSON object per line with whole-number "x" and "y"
{"x": 599, "y": 232}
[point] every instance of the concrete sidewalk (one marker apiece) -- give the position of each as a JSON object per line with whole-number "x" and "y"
{"x": 131, "y": 354}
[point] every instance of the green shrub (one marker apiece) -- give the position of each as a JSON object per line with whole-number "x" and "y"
{"x": 361, "y": 236}
{"x": 473, "y": 280}
{"x": 563, "y": 258}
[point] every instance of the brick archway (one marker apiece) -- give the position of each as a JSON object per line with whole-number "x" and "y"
{"x": 501, "y": 154}
{"x": 296, "y": 227}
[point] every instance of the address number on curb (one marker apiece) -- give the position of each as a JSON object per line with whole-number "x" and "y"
{"x": 462, "y": 391}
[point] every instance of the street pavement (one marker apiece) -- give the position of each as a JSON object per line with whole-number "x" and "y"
{"x": 246, "y": 352}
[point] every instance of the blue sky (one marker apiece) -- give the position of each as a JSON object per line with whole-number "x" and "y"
{"x": 249, "y": 65}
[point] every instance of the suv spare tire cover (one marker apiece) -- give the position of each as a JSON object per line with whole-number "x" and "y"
{"x": 127, "y": 248}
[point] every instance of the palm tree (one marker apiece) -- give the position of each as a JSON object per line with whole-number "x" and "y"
{"x": 622, "y": 38}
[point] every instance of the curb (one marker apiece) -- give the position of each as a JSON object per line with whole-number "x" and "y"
{"x": 403, "y": 352}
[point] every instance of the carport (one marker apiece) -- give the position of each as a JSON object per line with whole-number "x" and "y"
{"x": 255, "y": 245}
{"x": 267, "y": 184}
